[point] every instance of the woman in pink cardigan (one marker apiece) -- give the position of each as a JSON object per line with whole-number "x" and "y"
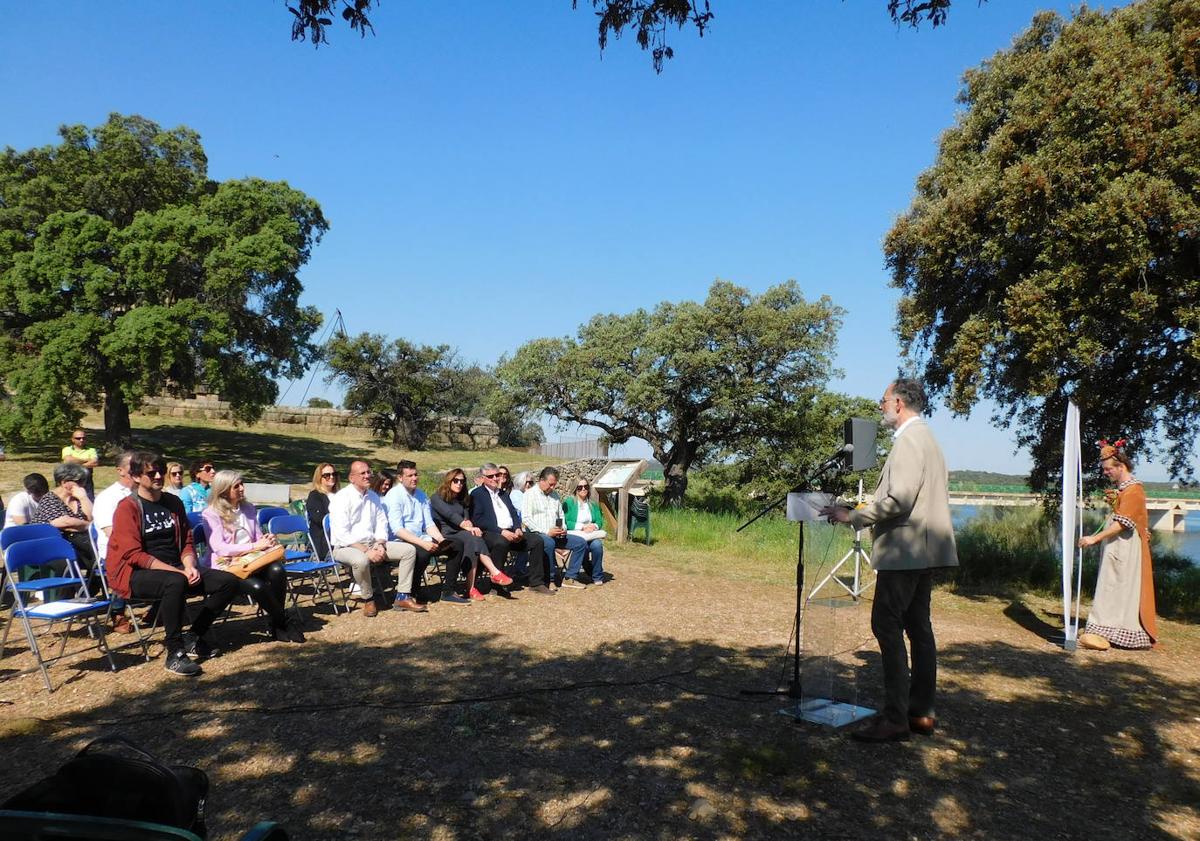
{"x": 231, "y": 526}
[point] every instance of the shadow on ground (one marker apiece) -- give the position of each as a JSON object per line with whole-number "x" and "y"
{"x": 457, "y": 736}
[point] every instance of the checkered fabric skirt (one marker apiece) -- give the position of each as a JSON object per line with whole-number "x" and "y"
{"x": 1120, "y": 637}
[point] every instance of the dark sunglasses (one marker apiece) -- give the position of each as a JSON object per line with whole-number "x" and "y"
{"x": 457, "y": 480}
{"x": 490, "y": 475}
{"x": 581, "y": 487}
{"x": 329, "y": 475}
{"x": 153, "y": 471}
{"x": 176, "y": 472}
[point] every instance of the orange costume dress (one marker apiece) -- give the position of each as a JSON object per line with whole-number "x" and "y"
{"x": 1123, "y": 609}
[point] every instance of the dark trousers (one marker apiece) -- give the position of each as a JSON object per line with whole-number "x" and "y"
{"x": 901, "y": 607}
{"x": 267, "y": 586}
{"x": 453, "y": 558}
{"x": 172, "y": 590}
{"x": 499, "y": 548}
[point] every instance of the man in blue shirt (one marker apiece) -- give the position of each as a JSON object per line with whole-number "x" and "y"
{"x": 410, "y": 518}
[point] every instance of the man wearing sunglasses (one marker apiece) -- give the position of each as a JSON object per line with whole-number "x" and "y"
{"x": 493, "y": 512}
{"x": 77, "y": 452}
{"x": 195, "y": 495}
{"x": 151, "y": 556}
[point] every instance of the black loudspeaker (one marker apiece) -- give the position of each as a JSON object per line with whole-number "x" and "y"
{"x": 859, "y": 436}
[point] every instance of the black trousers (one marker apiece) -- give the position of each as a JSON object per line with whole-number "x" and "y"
{"x": 499, "y": 548}
{"x": 901, "y": 607}
{"x": 267, "y": 587}
{"x": 453, "y": 558}
{"x": 172, "y": 590}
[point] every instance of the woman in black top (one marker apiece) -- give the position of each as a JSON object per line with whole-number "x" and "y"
{"x": 325, "y": 485}
{"x": 451, "y": 506}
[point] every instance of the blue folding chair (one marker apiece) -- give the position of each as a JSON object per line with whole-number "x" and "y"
{"x": 301, "y": 564}
{"x": 102, "y": 571}
{"x": 30, "y": 531}
{"x": 265, "y": 515}
{"x": 195, "y": 518}
{"x": 41, "y": 552}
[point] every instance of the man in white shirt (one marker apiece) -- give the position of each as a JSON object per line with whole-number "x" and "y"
{"x": 103, "y": 510}
{"x": 22, "y": 506}
{"x": 542, "y": 514}
{"x": 358, "y": 534}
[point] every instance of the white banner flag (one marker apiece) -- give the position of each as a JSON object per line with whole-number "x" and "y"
{"x": 1072, "y": 517}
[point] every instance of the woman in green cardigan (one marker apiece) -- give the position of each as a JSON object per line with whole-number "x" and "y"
{"x": 582, "y": 516}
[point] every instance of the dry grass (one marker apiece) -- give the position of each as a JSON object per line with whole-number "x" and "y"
{"x": 616, "y": 713}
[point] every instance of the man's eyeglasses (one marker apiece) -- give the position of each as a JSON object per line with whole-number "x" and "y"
{"x": 79, "y": 438}
{"x": 153, "y": 471}
{"x": 490, "y": 475}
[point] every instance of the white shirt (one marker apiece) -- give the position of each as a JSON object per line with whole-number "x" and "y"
{"x": 504, "y": 518}
{"x": 356, "y": 518}
{"x": 103, "y": 510}
{"x": 904, "y": 426}
{"x": 22, "y": 505}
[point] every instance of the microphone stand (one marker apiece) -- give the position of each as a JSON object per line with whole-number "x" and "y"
{"x": 836, "y": 460}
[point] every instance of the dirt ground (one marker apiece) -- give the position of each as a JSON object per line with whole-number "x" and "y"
{"x": 618, "y": 713}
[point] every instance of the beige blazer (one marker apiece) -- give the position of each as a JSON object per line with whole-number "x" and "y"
{"x": 910, "y": 517}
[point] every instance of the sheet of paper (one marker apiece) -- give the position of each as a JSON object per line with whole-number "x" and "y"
{"x": 806, "y": 507}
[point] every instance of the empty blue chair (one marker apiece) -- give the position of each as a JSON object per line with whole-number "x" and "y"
{"x": 42, "y": 552}
{"x": 265, "y": 515}
{"x": 32, "y": 531}
{"x": 300, "y": 563}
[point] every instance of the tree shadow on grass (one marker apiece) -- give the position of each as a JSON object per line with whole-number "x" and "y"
{"x": 263, "y": 456}
{"x": 455, "y": 735}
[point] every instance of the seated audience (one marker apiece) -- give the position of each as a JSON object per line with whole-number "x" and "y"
{"x": 410, "y": 517}
{"x": 77, "y": 452}
{"x": 358, "y": 529}
{"x": 69, "y": 510}
{"x": 150, "y": 556}
{"x": 324, "y": 486}
{"x": 231, "y": 527}
{"x": 103, "y": 511}
{"x": 583, "y": 517}
{"x": 195, "y": 495}
{"x": 522, "y": 482}
{"x": 451, "y": 506}
{"x": 493, "y": 513}
{"x": 23, "y": 505}
{"x": 543, "y": 516}
{"x": 174, "y": 483}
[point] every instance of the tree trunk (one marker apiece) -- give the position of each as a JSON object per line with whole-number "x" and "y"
{"x": 117, "y": 430}
{"x": 676, "y": 464}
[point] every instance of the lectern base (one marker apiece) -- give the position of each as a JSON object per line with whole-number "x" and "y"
{"x": 826, "y": 712}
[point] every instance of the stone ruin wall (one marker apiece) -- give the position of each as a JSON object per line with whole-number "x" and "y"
{"x": 450, "y": 433}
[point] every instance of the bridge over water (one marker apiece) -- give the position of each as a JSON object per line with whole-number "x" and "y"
{"x": 1166, "y": 514}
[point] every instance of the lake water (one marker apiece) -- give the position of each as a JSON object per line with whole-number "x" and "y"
{"x": 1186, "y": 543}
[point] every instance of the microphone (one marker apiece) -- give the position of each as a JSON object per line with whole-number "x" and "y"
{"x": 836, "y": 458}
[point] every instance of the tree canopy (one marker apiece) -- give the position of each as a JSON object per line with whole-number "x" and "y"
{"x": 125, "y": 271}
{"x": 698, "y": 381}
{"x": 651, "y": 21}
{"x": 1052, "y": 251}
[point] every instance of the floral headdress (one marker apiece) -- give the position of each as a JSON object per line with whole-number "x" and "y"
{"x": 1108, "y": 450}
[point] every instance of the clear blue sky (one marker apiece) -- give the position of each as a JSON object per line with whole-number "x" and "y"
{"x": 491, "y": 178}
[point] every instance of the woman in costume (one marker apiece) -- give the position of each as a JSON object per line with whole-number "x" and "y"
{"x": 231, "y": 526}
{"x": 1122, "y": 611}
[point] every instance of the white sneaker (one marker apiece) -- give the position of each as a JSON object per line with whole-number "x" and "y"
{"x": 353, "y": 590}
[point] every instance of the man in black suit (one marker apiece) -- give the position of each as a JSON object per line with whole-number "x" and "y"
{"x": 493, "y": 512}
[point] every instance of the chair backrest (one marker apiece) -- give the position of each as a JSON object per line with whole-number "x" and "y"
{"x": 287, "y": 524}
{"x": 265, "y": 515}
{"x": 30, "y": 531}
{"x": 328, "y": 539}
{"x": 195, "y": 518}
{"x": 200, "y": 544}
{"x": 39, "y": 552}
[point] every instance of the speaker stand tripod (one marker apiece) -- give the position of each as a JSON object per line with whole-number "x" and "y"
{"x": 860, "y": 559}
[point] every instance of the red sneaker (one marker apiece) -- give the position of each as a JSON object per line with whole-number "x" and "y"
{"x": 502, "y": 579}
{"x": 475, "y": 595}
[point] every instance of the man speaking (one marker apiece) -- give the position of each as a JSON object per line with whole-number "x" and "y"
{"x": 912, "y": 536}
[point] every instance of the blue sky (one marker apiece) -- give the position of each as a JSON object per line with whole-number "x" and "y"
{"x": 491, "y": 178}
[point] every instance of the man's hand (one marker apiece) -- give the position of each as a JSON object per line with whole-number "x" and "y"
{"x": 836, "y": 513}
{"x": 557, "y": 531}
{"x": 192, "y": 574}
{"x": 429, "y": 545}
{"x": 510, "y": 535}
{"x": 377, "y": 553}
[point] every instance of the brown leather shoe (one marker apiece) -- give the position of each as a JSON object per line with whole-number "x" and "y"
{"x": 370, "y": 609}
{"x": 121, "y": 624}
{"x": 881, "y": 730}
{"x": 542, "y": 590}
{"x": 923, "y": 724}
{"x": 411, "y": 605}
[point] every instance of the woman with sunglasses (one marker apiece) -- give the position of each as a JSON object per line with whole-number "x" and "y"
{"x": 451, "y": 505}
{"x": 582, "y": 516}
{"x": 231, "y": 528}
{"x": 173, "y": 484}
{"x": 324, "y": 486}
